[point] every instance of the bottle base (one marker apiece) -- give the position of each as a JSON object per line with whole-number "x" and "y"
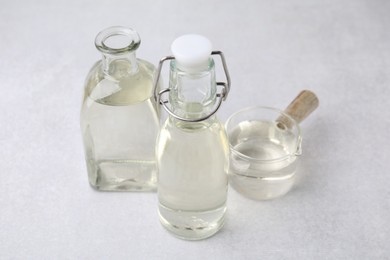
{"x": 192, "y": 225}
{"x": 123, "y": 175}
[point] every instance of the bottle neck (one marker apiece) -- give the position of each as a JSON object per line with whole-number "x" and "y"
{"x": 192, "y": 92}
{"x": 120, "y": 65}
{"x": 118, "y": 45}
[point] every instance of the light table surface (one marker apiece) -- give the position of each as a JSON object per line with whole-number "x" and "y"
{"x": 340, "y": 209}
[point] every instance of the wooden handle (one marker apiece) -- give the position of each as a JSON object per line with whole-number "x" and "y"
{"x": 302, "y": 106}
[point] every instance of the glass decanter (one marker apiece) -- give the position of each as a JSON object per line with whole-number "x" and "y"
{"x": 119, "y": 116}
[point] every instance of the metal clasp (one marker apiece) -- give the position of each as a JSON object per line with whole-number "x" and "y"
{"x": 222, "y": 95}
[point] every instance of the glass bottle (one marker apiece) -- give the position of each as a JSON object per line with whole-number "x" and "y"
{"x": 119, "y": 116}
{"x": 192, "y": 147}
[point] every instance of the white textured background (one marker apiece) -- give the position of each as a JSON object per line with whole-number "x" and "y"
{"x": 339, "y": 49}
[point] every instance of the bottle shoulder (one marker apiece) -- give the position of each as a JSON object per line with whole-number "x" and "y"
{"x": 109, "y": 89}
{"x": 148, "y": 66}
{"x": 210, "y": 125}
{"x": 209, "y": 135}
{"x": 145, "y": 68}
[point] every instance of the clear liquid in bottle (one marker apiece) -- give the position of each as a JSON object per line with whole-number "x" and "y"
{"x": 193, "y": 181}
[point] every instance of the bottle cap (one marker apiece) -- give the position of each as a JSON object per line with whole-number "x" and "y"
{"x": 191, "y": 51}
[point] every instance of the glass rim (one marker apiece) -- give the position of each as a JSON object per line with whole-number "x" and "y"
{"x": 298, "y": 138}
{"x": 102, "y": 36}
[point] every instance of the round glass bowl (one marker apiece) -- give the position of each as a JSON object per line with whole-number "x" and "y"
{"x": 264, "y": 147}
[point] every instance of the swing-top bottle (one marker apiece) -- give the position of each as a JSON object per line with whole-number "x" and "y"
{"x": 192, "y": 147}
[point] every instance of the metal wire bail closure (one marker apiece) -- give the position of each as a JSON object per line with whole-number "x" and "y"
{"x": 221, "y": 96}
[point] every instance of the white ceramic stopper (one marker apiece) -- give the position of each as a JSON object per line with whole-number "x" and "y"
{"x": 191, "y": 51}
